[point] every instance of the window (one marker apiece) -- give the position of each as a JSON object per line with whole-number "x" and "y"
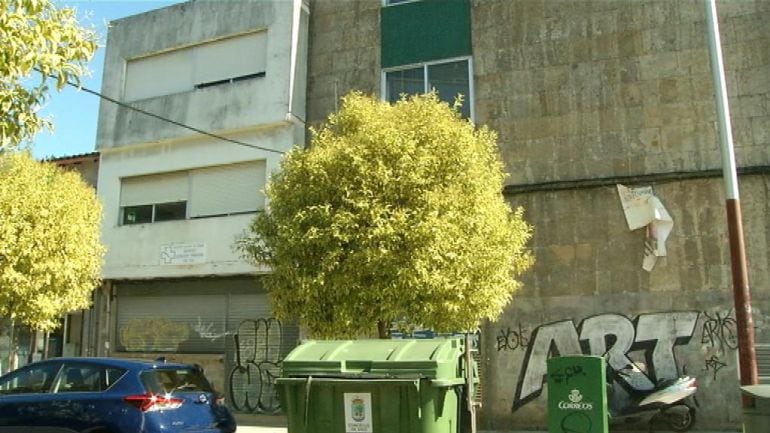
{"x": 167, "y": 381}
{"x": 205, "y": 192}
{"x": 34, "y": 379}
{"x": 137, "y": 214}
{"x": 170, "y": 211}
{"x": 153, "y": 198}
{"x": 154, "y": 213}
{"x": 218, "y": 62}
{"x": 87, "y": 378}
{"x": 448, "y": 78}
{"x": 227, "y": 189}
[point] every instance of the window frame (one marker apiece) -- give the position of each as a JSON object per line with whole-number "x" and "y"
{"x": 26, "y": 371}
{"x": 153, "y": 213}
{"x": 189, "y": 198}
{"x": 387, "y": 3}
{"x": 102, "y": 377}
{"x": 188, "y": 55}
{"x": 469, "y": 98}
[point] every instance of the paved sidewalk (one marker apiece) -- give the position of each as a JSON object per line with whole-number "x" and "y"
{"x": 249, "y": 423}
{"x": 252, "y": 423}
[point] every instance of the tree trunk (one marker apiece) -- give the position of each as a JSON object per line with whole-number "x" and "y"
{"x": 383, "y": 329}
{"x": 32, "y": 347}
{"x": 12, "y": 361}
{"x": 46, "y": 342}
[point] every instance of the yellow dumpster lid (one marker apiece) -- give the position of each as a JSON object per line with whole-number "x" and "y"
{"x": 425, "y": 358}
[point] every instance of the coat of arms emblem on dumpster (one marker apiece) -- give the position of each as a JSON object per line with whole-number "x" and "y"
{"x": 358, "y": 412}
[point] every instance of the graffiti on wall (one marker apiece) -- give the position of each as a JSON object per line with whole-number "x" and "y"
{"x": 251, "y": 382}
{"x": 719, "y": 335}
{"x": 613, "y": 336}
{"x": 713, "y": 365}
{"x": 153, "y": 335}
{"x": 512, "y": 339}
{"x": 720, "y": 331}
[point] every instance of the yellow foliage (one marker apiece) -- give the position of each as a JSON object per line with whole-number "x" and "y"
{"x": 37, "y": 38}
{"x": 395, "y": 213}
{"x": 50, "y": 251}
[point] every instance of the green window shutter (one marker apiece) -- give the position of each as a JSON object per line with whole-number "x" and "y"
{"x": 425, "y": 30}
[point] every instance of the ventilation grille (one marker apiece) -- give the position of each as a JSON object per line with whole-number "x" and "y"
{"x": 763, "y": 362}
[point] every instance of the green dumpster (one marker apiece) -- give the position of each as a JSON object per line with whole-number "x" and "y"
{"x": 374, "y": 386}
{"x": 756, "y": 416}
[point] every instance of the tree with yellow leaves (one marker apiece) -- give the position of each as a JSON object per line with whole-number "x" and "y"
{"x": 50, "y": 250}
{"x": 38, "y": 42}
{"x": 394, "y": 214}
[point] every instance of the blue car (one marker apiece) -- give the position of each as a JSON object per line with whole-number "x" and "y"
{"x": 110, "y": 395}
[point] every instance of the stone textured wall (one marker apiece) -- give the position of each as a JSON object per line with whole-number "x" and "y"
{"x": 590, "y": 89}
{"x": 581, "y": 94}
{"x": 344, "y": 53}
{"x": 589, "y": 265}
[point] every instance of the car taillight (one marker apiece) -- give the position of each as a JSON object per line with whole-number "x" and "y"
{"x": 153, "y": 402}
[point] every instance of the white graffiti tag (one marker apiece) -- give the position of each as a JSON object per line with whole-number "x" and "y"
{"x": 613, "y": 335}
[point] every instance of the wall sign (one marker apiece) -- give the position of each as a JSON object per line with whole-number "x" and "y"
{"x": 191, "y": 253}
{"x": 358, "y": 412}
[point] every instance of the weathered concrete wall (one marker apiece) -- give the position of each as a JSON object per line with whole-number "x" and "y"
{"x": 585, "y": 93}
{"x": 590, "y": 90}
{"x": 588, "y": 283}
{"x": 133, "y": 250}
{"x": 249, "y": 103}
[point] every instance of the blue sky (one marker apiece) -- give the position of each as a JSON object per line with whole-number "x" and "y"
{"x": 74, "y": 112}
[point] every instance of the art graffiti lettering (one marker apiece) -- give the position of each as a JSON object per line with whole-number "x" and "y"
{"x": 251, "y": 383}
{"x": 612, "y": 336}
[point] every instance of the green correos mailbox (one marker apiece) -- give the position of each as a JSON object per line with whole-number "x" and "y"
{"x": 577, "y": 395}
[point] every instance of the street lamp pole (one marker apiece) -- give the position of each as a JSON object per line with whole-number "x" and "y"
{"x": 741, "y": 292}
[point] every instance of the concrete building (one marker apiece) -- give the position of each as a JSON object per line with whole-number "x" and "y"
{"x": 585, "y": 96}
{"x": 177, "y": 198}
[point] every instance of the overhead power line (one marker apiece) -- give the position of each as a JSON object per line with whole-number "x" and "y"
{"x": 171, "y": 121}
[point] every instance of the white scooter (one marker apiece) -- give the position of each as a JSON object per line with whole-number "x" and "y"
{"x": 662, "y": 404}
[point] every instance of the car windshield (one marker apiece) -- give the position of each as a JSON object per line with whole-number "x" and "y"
{"x": 166, "y": 381}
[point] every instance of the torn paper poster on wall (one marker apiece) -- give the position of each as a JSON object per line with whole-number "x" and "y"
{"x": 643, "y": 209}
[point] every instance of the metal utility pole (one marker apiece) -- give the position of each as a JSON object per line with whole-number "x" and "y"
{"x": 742, "y": 294}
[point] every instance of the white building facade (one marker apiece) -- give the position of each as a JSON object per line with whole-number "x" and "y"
{"x": 176, "y": 198}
